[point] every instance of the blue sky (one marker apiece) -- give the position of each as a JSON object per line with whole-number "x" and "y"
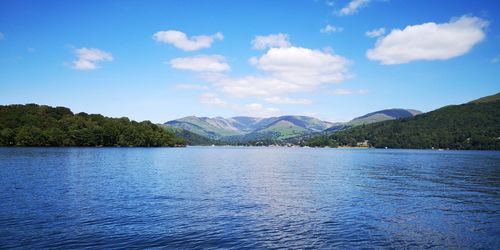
{"x": 161, "y": 60}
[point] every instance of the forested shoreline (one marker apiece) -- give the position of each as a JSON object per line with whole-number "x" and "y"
{"x": 41, "y": 125}
{"x": 474, "y": 125}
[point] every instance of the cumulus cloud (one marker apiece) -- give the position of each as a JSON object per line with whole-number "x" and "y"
{"x": 429, "y": 41}
{"x": 252, "y": 86}
{"x": 284, "y": 71}
{"x": 270, "y": 41}
{"x": 212, "y": 100}
{"x": 375, "y": 33}
{"x": 202, "y": 63}
{"x": 181, "y": 41}
{"x": 191, "y": 86}
{"x": 304, "y": 67}
{"x": 352, "y": 7}
{"x": 281, "y": 71}
{"x": 330, "y": 29}
{"x": 87, "y": 58}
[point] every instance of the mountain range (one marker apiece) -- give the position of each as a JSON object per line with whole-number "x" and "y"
{"x": 244, "y": 129}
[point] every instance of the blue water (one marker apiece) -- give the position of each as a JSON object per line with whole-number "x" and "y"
{"x": 224, "y": 197}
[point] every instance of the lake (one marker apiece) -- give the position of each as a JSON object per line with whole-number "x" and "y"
{"x": 241, "y": 197}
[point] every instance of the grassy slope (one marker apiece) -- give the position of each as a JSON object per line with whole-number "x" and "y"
{"x": 284, "y": 129}
{"x": 203, "y": 128}
{"x": 189, "y": 137}
{"x": 491, "y": 98}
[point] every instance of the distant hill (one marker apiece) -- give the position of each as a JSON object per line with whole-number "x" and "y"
{"x": 491, "y": 98}
{"x": 191, "y": 138}
{"x": 373, "y": 117}
{"x": 213, "y": 128}
{"x": 383, "y": 115}
{"x": 474, "y": 125}
{"x": 242, "y": 128}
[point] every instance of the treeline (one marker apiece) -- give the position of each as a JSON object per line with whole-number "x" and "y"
{"x": 40, "y": 125}
{"x": 192, "y": 138}
{"x": 467, "y": 126}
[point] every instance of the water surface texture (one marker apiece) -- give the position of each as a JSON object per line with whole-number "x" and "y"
{"x": 229, "y": 197}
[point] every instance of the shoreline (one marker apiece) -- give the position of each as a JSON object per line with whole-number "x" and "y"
{"x": 244, "y": 146}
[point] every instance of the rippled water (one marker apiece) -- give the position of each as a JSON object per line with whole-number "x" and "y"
{"x": 213, "y": 197}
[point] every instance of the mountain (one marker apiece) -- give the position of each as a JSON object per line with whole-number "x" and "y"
{"x": 242, "y": 128}
{"x": 383, "y": 115}
{"x": 191, "y": 138}
{"x": 213, "y": 128}
{"x": 474, "y": 125}
{"x": 486, "y": 99}
{"x": 373, "y": 117}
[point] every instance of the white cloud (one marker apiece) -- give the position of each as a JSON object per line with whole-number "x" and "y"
{"x": 212, "y": 100}
{"x": 352, "y": 7}
{"x": 287, "y": 100}
{"x": 209, "y": 63}
{"x": 181, "y": 41}
{"x": 285, "y": 70}
{"x": 349, "y": 91}
{"x": 191, "y": 86}
{"x": 375, "y": 33}
{"x": 304, "y": 67}
{"x": 87, "y": 58}
{"x": 252, "y": 86}
{"x": 281, "y": 71}
{"x": 2, "y": 36}
{"x": 330, "y": 29}
{"x": 429, "y": 41}
{"x": 271, "y": 41}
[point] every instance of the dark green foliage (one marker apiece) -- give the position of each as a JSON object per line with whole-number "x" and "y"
{"x": 191, "y": 138}
{"x": 490, "y": 98}
{"x": 474, "y": 125}
{"x": 35, "y": 125}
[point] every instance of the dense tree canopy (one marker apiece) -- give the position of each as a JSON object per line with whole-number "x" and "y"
{"x": 474, "y": 125}
{"x": 36, "y": 125}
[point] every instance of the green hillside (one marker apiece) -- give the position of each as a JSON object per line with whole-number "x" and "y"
{"x": 491, "y": 98}
{"x": 35, "y": 125}
{"x": 272, "y": 134}
{"x": 202, "y": 127}
{"x": 475, "y": 125}
{"x": 191, "y": 138}
{"x": 284, "y": 129}
{"x": 373, "y": 117}
{"x": 383, "y": 115}
{"x": 245, "y": 129}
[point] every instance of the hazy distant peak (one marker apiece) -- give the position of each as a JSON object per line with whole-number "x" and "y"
{"x": 396, "y": 113}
